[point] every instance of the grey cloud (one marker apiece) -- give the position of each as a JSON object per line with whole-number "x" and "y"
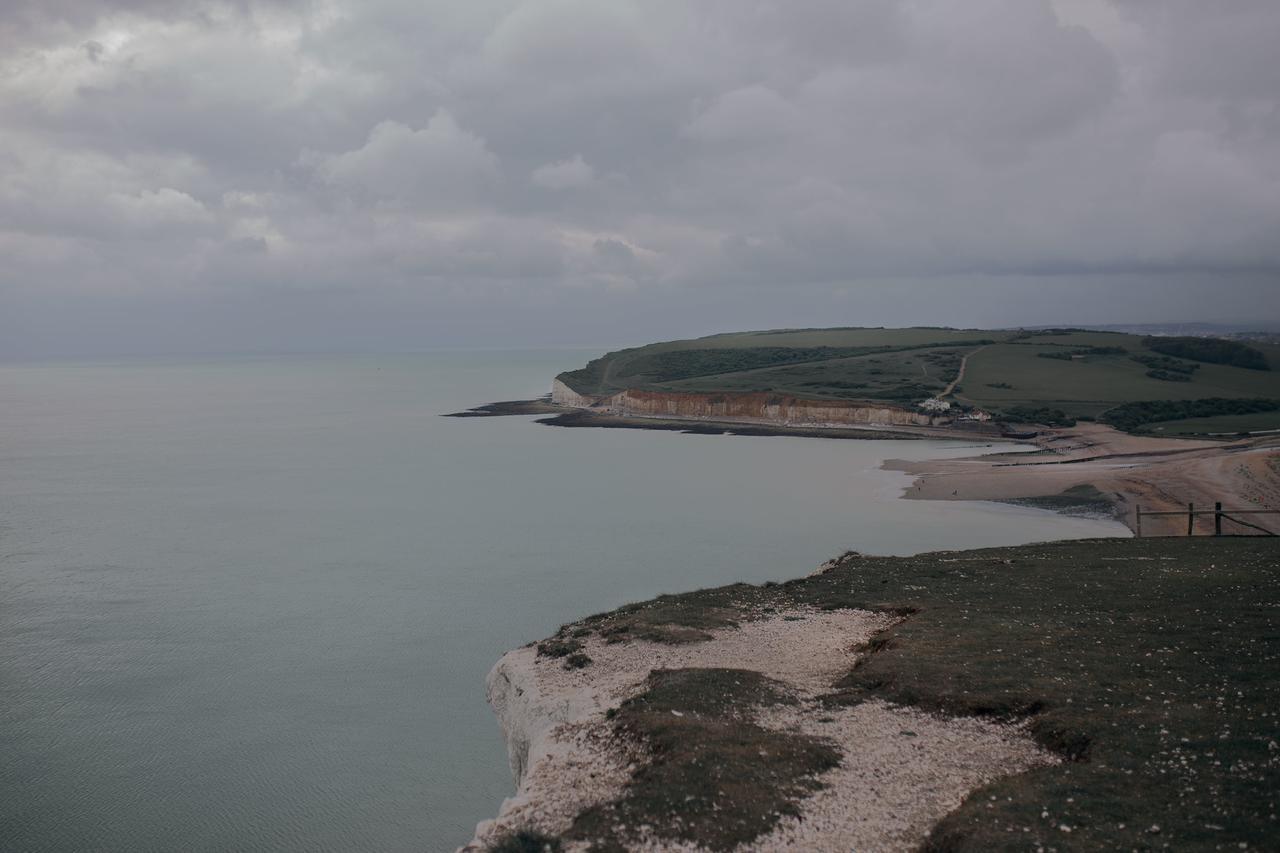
{"x": 441, "y": 164}
{"x": 746, "y": 115}
{"x": 602, "y": 157}
{"x": 571, "y": 174}
{"x": 1224, "y": 52}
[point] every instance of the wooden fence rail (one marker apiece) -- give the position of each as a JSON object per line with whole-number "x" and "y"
{"x": 1217, "y": 512}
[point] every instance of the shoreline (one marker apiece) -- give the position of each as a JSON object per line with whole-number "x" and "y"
{"x": 559, "y": 415}
{"x": 1077, "y": 466}
{"x": 1130, "y": 471}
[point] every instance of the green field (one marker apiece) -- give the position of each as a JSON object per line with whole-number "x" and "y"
{"x": 1223, "y": 425}
{"x": 1091, "y": 384}
{"x": 1080, "y": 374}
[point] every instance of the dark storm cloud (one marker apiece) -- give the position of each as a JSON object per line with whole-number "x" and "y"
{"x": 575, "y": 161}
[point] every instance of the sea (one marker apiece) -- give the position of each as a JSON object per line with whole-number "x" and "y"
{"x": 249, "y": 603}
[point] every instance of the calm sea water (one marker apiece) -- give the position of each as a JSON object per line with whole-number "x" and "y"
{"x": 249, "y": 603}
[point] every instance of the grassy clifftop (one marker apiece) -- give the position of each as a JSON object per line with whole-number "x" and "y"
{"x": 1151, "y": 666}
{"x": 1053, "y": 375}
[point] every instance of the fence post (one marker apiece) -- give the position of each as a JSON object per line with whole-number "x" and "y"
{"x": 1138, "y": 522}
{"x": 1217, "y": 519}
{"x": 1191, "y": 518}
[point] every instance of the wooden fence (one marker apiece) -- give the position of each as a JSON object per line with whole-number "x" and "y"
{"x": 1217, "y": 512}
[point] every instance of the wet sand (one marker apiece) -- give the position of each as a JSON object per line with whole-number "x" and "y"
{"x": 1154, "y": 473}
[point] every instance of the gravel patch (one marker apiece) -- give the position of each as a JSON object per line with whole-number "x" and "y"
{"x": 901, "y": 770}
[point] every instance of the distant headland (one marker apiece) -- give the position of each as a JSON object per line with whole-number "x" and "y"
{"x": 1122, "y": 420}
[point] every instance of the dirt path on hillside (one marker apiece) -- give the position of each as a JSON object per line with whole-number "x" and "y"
{"x": 964, "y": 362}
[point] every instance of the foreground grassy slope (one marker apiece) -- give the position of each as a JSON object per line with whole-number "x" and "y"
{"x": 1152, "y": 666}
{"x": 1078, "y": 373}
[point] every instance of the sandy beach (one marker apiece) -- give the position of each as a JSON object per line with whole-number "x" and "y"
{"x": 1151, "y": 472}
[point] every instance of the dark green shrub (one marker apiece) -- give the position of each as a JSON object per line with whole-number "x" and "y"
{"x": 527, "y": 841}
{"x": 1043, "y": 415}
{"x": 1133, "y": 417}
{"x": 1212, "y": 350}
{"x": 1162, "y": 362}
{"x": 559, "y": 647}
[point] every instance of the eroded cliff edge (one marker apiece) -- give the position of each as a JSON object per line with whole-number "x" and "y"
{"x": 958, "y": 700}
{"x": 870, "y": 776}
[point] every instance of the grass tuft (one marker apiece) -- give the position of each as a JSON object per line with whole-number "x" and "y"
{"x": 1152, "y": 666}
{"x": 713, "y": 777}
{"x": 559, "y": 647}
{"x": 526, "y": 841}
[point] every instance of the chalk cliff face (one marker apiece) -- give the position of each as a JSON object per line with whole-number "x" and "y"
{"x": 545, "y": 712}
{"x": 752, "y": 407}
{"x": 565, "y": 396}
{"x": 530, "y": 706}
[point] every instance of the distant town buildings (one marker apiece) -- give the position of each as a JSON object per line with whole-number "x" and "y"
{"x": 936, "y": 406}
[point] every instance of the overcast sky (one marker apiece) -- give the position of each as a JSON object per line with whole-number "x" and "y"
{"x": 182, "y": 176}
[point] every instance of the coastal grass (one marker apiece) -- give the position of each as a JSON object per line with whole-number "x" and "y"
{"x": 1145, "y": 416}
{"x": 1219, "y": 425}
{"x": 526, "y": 841}
{"x": 735, "y": 352}
{"x": 1078, "y": 373}
{"x": 893, "y": 375}
{"x": 672, "y": 619}
{"x": 1096, "y": 375}
{"x": 1152, "y": 666}
{"x": 559, "y": 647}
{"x": 1212, "y": 350}
{"x": 567, "y": 648}
{"x": 713, "y": 776}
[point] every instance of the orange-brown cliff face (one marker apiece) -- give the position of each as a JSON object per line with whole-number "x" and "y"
{"x": 752, "y": 407}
